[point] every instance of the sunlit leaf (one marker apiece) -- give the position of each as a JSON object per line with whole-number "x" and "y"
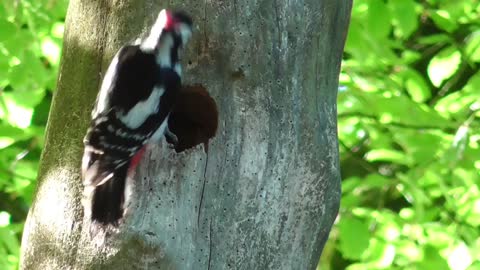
{"x": 388, "y": 230}
{"x": 379, "y": 254}
{"x": 387, "y": 155}
{"x": 459, "y": 257}
{"x": 18, "y": 115}
{"x": 438, "y": 236}
{"x": 470, "y": 211}
{"x": 458, "y": 103}
{"x": 58, "y": 29}
{"x": 444, "y": 20}
{"x": 472, "y": 47}
{"x": 443, "y": 65}
{"x": 416, "y": 86}
{"x": 51, "y": 50}
{"x": 408, "y": 252}
{"x": 5, "y": 219}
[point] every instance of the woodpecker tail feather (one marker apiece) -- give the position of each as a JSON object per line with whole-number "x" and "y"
{"x": 105, "y": 179}
{"x": 108, "y": 198}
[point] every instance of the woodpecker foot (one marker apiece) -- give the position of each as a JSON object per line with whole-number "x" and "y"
{"x": 172, "y": 139}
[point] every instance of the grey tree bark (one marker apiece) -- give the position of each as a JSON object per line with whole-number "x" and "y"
{"x": 267, "y": 192}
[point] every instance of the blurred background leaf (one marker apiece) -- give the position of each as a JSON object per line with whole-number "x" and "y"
{"x": 409, "y": 132}
{"x": 31, "y": 33}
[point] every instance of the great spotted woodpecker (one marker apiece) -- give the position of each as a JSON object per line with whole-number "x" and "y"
{"x": 132, "y": 109}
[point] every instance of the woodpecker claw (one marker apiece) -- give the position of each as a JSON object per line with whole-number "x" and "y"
{"x": 172, "y": 139}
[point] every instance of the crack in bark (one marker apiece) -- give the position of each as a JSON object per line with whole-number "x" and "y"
{"x": 205, "y": 25}
{"x": 203, "y": 189}
{"x": 277, "y": 21}
{"x": 209, "y": 245}
{"x": 317, "y": 80}
{"x": 236, "y": 11}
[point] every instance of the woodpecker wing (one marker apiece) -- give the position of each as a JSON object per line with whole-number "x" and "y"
{"x": 135, "y": 98}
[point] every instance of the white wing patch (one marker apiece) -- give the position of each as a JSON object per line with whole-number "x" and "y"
{"x": 151, "y": 41}
{"x": 143, "y": 109}
{"x": 102, "y": 100}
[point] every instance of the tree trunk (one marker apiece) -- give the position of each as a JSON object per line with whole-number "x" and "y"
{"x": 264, "y": 195}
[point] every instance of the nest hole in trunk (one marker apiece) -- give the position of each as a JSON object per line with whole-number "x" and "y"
{"x": 194, "y": 119}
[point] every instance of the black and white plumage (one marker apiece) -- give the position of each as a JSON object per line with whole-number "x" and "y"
{"x": 132, "y": 109}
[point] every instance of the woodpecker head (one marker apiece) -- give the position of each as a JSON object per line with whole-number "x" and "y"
{"x": 168, "y": 35}
{"x": 181, "y": 25}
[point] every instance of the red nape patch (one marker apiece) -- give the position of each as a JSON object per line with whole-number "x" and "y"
{"x": 136, "y": 159}
{"x": 168, "y": 20}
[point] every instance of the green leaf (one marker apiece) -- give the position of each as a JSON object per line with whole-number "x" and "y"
{"x": 460, "y": 141}
{"x": 469, "y": 210}
{"x": 433, "y": 260}
{"x": 380, "y": 254}
{"x": 9, "y": 240}
{"x": 444, "y": 20}
{"x": 378, "y": 20}
{"x": 472, "y": 47}
{"x": 475, "y": 266}
{"x": 397, "y": 109}
{"x": 354, "y": 238}
{"x": 443, "y": 65}
{"x": 408, "y": 252}
{"x": 388, "y": 230}
{"x": 7, "y": 29}
{"x": 405, "y": 17}
{"x": 416, "y": 86}
{"x": 439, "y": 236}
{"x": 422, "y": 147}
{"x": 9, "y": 135}
{"x": 434, "y": 39}
{"x": 388, "y": 155}
{"x": 458, "y": 103}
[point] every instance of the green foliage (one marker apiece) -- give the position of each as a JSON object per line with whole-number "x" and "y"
{"x": 409, "y": 130}
{"x": 31, "y": 33}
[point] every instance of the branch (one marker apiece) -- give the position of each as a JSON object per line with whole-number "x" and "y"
{"x": 395, "y": 124}
{"x": 363, "y": 163}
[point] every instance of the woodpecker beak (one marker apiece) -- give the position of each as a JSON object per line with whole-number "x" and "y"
{"x": 184, "y": 31}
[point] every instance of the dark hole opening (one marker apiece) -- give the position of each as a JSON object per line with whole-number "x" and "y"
{"x": 194, "y": 120}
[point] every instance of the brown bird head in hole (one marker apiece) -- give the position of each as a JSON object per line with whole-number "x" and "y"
{"x": 194, "y": 119}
